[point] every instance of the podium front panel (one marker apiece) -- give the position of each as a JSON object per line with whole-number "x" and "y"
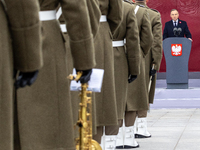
{"x": 177, "y": 52}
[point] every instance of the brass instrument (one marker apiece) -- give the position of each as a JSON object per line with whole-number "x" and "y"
{"x": 85, "y": 141}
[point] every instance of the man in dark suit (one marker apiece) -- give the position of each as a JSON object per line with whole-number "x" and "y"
{"x": 176, "y": 27}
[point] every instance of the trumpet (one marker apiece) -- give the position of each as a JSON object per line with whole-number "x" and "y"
{"x": 85, "y": 141}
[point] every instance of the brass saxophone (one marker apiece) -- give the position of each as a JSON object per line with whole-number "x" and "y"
{"x": 85, "y": 141}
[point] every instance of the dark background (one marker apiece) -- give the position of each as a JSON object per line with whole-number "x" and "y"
{"x": 189, "y": 11}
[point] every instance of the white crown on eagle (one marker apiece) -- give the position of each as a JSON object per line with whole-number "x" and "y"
{"x": 176, "y": 50}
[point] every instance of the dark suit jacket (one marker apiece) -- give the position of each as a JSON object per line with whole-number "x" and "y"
{"x": 169, "y": 26}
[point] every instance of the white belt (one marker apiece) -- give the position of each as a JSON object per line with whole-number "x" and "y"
{"x": 136, "y": 9}
{"x": 124, "y": 41}
{"x": 103, "y": 18}
{"x": 47, "y": 15}
{"x": 117, "y": 43}
{"x": 63, "y": 28}
{"x": 59, "y": 13}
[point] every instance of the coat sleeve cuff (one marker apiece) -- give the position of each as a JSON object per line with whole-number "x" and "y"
{"x": 156, "y": 67}
{"x": 27, "y": 48}
{"x": 134, "y": 67}
{"x": 157, "y": 64}
{"x": 83, "y": 54}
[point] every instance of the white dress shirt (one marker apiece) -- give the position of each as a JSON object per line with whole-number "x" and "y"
{"x": 176, "y": 22}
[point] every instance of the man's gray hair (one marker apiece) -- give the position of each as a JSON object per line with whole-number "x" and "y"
{"x": 173, "y": 10}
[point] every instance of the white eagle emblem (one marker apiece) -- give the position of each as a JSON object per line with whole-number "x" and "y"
{"x": 176, "y": 50}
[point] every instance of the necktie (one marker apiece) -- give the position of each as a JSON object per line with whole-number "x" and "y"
{"x": 175, "y": 24}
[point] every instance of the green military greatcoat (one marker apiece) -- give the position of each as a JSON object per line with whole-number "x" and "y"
{"x": 126, "y": 60}
{"x": 155, "y": 54}
{"x": 46, "y": 106}
{"x": 106, "y": 108}
{"x": 137, "y": 91}
{"x": 94, "y": 13}
{"x": 20, "y": 48}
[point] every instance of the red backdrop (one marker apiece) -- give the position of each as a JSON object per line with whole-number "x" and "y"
{"x": 189, "y": 11}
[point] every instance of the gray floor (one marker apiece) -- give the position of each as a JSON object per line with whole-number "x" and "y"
{"x": 177, "y": 98}
{"x": 174, "y": 118}
{"x": 172, "y": 129}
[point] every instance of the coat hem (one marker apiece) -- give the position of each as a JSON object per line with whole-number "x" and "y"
{"x": 100, "y": 125}
{"x": 52, "y": 148}
{"x": 136, "y": 109}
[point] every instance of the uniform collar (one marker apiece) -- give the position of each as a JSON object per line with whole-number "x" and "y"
{"x": 141, "y": 3}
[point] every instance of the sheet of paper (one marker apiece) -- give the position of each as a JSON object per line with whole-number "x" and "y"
{"x": 95, "y": 82}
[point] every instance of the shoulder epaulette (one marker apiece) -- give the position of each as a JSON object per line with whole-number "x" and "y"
{"x": 128, "y": 1}
{"x": 155, "y": 10}
{"x": 141, "y": 5}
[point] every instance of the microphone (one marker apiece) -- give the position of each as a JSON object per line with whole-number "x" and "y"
{"x": 175, "y": 30}
{"x": 179, "y": 30}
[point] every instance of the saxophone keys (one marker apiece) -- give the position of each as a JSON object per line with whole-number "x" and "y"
{"x": 85, "y": 140}
{"x": 85, "y": 125}
{"x": 80, "y": 123}
{"x": 89, "y": 92}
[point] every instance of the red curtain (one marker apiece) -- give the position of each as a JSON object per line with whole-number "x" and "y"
{"x": 189, "y": 11}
